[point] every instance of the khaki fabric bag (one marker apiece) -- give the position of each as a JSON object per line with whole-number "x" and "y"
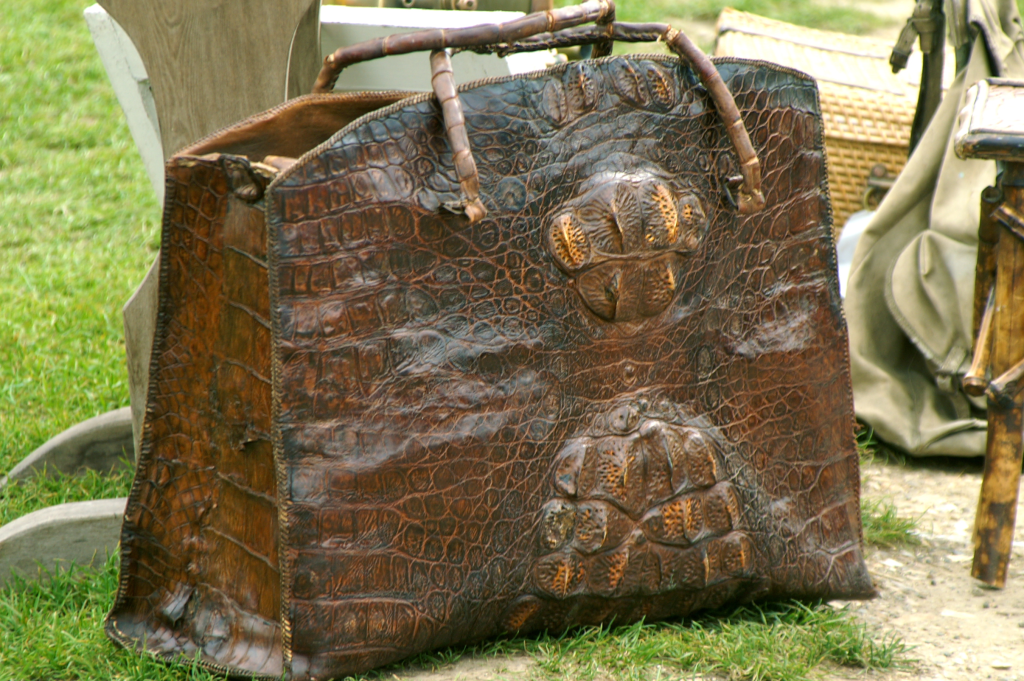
{"x": 911, "y": 289}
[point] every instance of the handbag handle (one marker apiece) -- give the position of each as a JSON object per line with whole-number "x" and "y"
{"x": 543, "y": 30}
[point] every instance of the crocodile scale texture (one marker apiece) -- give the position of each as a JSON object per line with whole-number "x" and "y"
{"x": 375, "y": 429}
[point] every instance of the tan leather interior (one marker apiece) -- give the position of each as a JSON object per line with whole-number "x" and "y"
{"x": 293, "y": 128}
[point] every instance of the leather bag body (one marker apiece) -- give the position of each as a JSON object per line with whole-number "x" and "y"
{"x": 375, "y": 427}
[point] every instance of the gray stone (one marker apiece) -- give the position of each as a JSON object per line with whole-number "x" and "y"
{"x": 83, "y": 533}
{"x": 101, "y": 443}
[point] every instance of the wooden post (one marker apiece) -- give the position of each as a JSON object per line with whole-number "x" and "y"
{"x": 991, "y": 127}
{"x": 988, "y": 238}
{"x": 213, "y": 63}
{"x": 976, "y": 379}
{"x": 997, "y": 506}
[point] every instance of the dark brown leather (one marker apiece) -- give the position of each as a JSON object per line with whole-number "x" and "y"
{"x": 375, "y": 429}
{"x": 541, "y": 31}
{"x": 442, "y": 81}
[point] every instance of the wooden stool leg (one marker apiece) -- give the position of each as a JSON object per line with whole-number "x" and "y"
{"x": 976, "y": 379}
{"x": 997, "y": 505}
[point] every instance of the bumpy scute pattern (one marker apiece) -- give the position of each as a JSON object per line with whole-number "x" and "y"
{"x": 644, "y": 507}
{"x": 624, "y": 239}
{"x": 611, "y": 398}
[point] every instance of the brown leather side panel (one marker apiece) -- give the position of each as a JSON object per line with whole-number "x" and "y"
{"x": 199, "y": 543}
{"x": 293, "y": 128}
{"x": 611, "y": 398}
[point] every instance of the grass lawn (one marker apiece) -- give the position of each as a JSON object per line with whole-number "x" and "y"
{"x": 823, "y": 14}
{"x": 78, "y": 228}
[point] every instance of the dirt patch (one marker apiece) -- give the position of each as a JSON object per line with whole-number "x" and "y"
{"x": 473, "y": 669}
{"x": 959, "y": 629}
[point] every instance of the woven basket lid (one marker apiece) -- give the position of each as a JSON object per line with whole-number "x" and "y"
{"x": 827, "y": 56}
{"x": 867, "y": 110}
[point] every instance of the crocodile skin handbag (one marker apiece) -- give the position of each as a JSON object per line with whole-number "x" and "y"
{"x": 553, "y": 349}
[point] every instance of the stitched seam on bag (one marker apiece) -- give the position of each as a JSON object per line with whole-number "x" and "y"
{"x": 144, "y": 459}
{"x": 146, "y": 436}
{"x": 284, "y": 561}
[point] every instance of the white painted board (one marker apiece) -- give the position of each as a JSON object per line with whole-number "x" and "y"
{"x": 83, "y": 533}
{"x": 131, "y": 85}
{"x": 341, "y": 25}
{"x": 101, "y": 443}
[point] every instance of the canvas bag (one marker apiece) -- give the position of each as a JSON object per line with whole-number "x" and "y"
{"x": 910, "y": 296}
{"x": 396, "y": 405}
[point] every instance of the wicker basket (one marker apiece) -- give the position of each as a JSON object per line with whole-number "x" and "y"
{"x": 867, "y": 109}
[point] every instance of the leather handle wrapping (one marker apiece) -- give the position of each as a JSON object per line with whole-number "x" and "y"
{"x": 543, "y": 30}
{"x": 443, "y": 82}
{"x": 751, "y": 197}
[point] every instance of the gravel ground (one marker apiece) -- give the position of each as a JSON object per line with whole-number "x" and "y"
{"x": 959, "y": 629}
